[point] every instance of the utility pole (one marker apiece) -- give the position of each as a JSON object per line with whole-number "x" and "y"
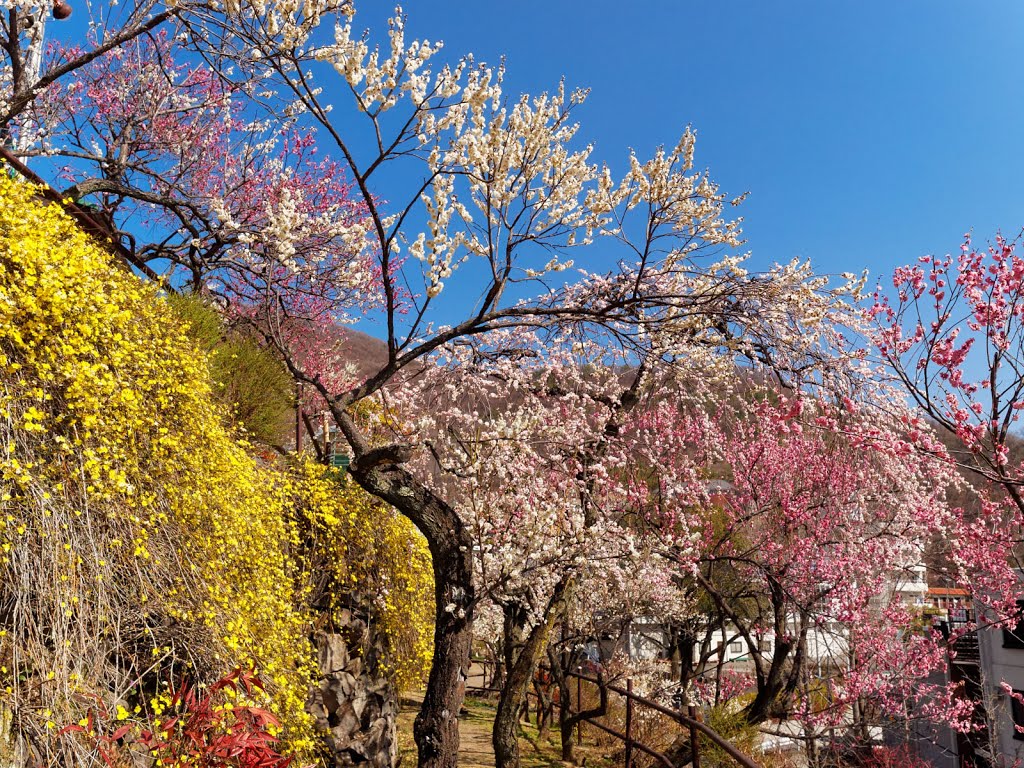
{"x": 35, "y": 35}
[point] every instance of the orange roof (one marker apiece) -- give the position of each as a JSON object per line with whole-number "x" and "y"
{"x": 947, "y": 592}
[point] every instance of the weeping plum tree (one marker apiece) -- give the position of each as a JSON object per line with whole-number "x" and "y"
{"x": 467, "y": 227}
{"x": 507, "y": 202}
{"x": 502, "y": 202}
{"x": 527, "y": 451}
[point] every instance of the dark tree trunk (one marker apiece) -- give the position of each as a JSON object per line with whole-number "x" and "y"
{"x": 776, "y": 680}
{"x": 513, "y": 696}
{"x": 680, "y": 653}
{"x": 773, "y": 685}
{"x": 775, "y": 692}
{"x": 542, "y": 688}
{"x": 560, "y": 663}
{"x": 568, "y": 720}
{"x": 497, "y": 677}
{"x": 436, "y": 730}
{"x": 513, "y": 630}
{"x": 566, "y": 727}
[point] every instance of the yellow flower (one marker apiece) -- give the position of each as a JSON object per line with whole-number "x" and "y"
{"x": 127, "y": 493}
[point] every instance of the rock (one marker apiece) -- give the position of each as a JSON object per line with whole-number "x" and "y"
{"x": 354, "y": 710}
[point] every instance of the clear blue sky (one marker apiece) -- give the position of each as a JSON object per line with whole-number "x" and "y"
{"x": 867, "y": 133}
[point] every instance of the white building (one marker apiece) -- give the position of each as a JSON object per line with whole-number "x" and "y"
{"x": 1001, "y": 652}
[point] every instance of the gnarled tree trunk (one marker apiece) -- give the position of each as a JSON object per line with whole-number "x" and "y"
{"x": 436, "y": 730}
{"x": 517, "y": 684}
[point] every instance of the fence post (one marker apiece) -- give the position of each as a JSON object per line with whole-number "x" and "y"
{"x": 629, "y": 723}
{"x": 579, "y": 708}
{"x": 694, "y": 736}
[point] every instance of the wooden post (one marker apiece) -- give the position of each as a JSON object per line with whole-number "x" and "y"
{"x": 298, "y": 428}
{"x": 579, "y": 708}
{"x": 629, "y": 723}
{"x": 694, "y": 737}
{"x": 326, "y": 436}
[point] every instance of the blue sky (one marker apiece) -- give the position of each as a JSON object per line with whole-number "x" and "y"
{"x": 867, "y": 133}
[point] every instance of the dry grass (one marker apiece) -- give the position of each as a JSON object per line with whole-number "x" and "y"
{"x": 475, "y": 750}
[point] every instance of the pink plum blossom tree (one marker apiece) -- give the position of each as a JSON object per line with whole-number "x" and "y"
{"x": 951, "y": 336}
{"x": 800, "y": 553}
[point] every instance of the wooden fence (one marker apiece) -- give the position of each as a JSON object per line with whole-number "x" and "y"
{"x": 691, "y": 721}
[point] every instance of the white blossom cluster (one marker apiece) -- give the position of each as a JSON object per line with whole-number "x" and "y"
{"x": 289, "y": 23}
{"x": 516, "y": 435}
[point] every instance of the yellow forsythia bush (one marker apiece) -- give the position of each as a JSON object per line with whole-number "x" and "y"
{"x": 356, "y": 551}
{"x": 140, "y": 542}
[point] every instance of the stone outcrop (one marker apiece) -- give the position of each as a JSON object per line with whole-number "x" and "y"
{"x": 356, "y": 708}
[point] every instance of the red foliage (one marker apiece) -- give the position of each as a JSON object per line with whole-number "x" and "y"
{"x": 202, "y": 729}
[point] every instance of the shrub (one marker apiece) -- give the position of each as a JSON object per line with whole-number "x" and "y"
{"x": 214, "y": 727}
{"x": 356, "y": 552}
{"x": 141, "y": 543}
{"x": 254, "y": 386}
{"x": 137, "y": 537}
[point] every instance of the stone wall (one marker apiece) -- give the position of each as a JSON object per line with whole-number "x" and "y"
{"x": 355, "y": 707}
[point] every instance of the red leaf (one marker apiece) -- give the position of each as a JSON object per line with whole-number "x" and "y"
{"x": 263, "y": 715}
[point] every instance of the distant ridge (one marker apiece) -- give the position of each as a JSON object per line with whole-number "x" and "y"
{"x": 367, "y": 353}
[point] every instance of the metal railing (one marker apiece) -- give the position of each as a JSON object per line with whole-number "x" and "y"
{"x": 966, "y": 648}
{"x": 691, "y": 721}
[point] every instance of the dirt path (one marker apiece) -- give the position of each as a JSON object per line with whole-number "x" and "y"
{"x": 475, "y": 750}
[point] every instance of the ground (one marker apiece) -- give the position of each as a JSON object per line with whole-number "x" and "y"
{"x": 475, "y": 750}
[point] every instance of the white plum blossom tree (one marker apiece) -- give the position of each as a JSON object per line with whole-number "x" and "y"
{"x": 479, "y": 235}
